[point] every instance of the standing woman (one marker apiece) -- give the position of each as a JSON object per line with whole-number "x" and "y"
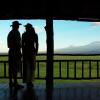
{"x": 29, "y": 50}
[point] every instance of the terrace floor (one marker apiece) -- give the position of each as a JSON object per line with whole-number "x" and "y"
{"x": 68, "y": 91}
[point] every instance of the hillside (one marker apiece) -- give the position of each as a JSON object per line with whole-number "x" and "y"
{"x": 92, "y": 48}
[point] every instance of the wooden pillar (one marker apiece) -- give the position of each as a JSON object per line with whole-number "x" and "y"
{"x": 50, "y": 52}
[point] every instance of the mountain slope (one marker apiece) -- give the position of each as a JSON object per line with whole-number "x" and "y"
{"x": 92, "y": 48}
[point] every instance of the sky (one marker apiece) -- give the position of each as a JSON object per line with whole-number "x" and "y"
{"x": 66, "y": 33}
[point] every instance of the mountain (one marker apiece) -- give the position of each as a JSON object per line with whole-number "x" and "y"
{"x": 92, "y": 48}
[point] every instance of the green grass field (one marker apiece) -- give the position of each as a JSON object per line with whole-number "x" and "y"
{"x": 42, "y": 68}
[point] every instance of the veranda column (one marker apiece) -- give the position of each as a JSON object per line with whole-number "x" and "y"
{"x": 50, "y": 51}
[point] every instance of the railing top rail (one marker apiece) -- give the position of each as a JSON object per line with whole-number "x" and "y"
{"x": 76, "y": 60}
{"x": 58, "y": 54}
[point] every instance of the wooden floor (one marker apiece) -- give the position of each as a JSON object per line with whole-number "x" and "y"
{"x": 73, "y": 91}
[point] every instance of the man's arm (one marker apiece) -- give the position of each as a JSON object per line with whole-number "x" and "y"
{"x": 9, "y": 41}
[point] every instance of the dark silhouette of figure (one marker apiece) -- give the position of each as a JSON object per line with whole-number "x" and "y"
{"x": 14, "y": 45}
{"x": 13, "y": 94}
{"x": 30, "y": 50}
{"x": 29, "y": 94}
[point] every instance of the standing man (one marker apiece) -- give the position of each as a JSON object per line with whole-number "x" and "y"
{"x": 14, "y": 45}
{"x": 29, "y": 49}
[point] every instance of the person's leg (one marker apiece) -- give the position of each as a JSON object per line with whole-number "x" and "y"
{"x": 29, "y": 74}
{"x": 32, "y": 71}
{"x": 15, "y": 72}
{"x": 34, "y": 67}
{"x": 24, "y": 71}
{"x": 10, "y": 74}
{"x": 15, "y": 75}
{"x": 10, "y": 77}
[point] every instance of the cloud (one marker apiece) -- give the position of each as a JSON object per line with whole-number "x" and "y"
{"x": 38, "y": 29}
{"x": 3, "y": 47}
{"x": 95, "y": 24}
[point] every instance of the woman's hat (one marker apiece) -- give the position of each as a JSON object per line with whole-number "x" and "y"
{"x": 28, "y": 25}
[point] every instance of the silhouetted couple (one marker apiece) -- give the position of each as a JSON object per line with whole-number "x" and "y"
{"x": 29, "y": 45}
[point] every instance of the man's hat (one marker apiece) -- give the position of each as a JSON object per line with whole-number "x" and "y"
{"x": 28, "y": 25}
{"x": 15, "y": 23}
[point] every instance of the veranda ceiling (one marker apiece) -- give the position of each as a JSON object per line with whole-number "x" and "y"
{"x": 42, "y": 9}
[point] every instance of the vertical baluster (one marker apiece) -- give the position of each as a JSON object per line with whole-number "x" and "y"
{"x": 97, "y": 69}
{"x": 4, "y": 69}
{"x": 0, "y": 68}
{"x": 59, "y": 69}
{"x": 67, "y": 69}
{"x": 82, "y": 69}
{"x": 75, "y": 69}
{"x": 89, "y": 69}
{"x": 37, "y": 69}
